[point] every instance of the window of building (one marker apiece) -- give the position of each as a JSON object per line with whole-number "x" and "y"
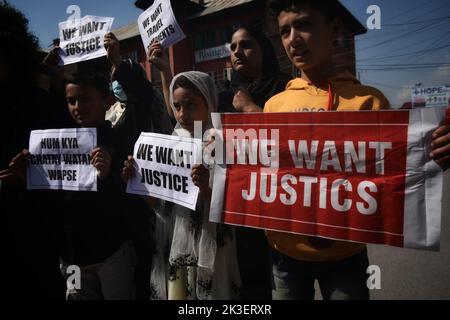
{"x": 257, "y": 23}
{"x": 213, "y": 75}
{"x": 211, "y": 39}
{"x": 227, "y": 74}
{"x": 198, "y": 41}
{"x": 134, "y": 55}
{"x": 226, "y": 34}
{"x": 205, "y": 40}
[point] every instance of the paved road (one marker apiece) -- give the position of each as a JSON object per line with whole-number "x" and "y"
{"x": 413, "y": 274}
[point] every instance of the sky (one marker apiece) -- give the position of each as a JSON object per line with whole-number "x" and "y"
{"x": 44, "y": 15}
{"x": 412, "y": 46}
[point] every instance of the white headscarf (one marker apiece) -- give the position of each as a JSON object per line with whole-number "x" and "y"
{"x": 205, "y": 84}
{"x": 192, "y": 243}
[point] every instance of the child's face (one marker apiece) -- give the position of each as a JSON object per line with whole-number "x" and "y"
{"x": 189, "y": 108}
{"x": 307, "y": 37}
{"x": 246, "y": 54}
{"x": 87, "y": 106}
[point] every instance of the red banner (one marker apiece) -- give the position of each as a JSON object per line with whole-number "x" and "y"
{"x": 338, "y": 175}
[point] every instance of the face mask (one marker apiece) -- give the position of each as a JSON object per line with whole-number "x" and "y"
{"x": 119, "y": 92}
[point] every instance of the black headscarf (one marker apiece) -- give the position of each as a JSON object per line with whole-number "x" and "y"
{"x": 261, "y": 90}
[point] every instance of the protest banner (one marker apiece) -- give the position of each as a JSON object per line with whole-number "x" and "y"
{"x": 164, "y": 166}
{"x": 438, "y": 96}
{"x": 61, "y": 160}
{"x": 354, "y": 176}
{"x": 158, "y": 23}
{"x": 82, "y": 39}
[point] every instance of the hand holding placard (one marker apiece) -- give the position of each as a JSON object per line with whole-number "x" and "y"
{"x": 82, "y": 40}
{"x": 158, "y": 23}
{"x": 112, "y": 46}
{"x": 162, "y": 168}
{"x": 66, "y": 160}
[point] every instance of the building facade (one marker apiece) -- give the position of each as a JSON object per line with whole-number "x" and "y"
{"x": 209, "y": 25}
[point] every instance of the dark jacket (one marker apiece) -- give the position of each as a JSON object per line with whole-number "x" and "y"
{"x": 144, "y": 111}
{"x": 95, "y": 223}
{"x": 260, "y": 90}
{"x": 29, "y": 252}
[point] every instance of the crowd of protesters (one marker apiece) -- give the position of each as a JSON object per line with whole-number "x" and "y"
{"x": 131, "y": 247}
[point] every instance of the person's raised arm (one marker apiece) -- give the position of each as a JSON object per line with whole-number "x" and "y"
{"x": 125, "y": 73}
{"x": 112, "y": 47}
{"x": 159, "y": 58}
{"x": 52, "y": 63}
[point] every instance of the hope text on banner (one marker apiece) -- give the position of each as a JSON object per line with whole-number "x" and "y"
{"x": 438, "y": 96}
{"x": 61, "y": 160}
{"x": 164, "y": 166}
{"x": 356, "y": 176}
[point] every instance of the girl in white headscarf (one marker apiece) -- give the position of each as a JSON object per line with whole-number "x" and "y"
{"x": 194, "y": 258}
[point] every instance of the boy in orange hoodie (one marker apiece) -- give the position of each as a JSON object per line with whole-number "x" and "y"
{"x": 309, "y": 32}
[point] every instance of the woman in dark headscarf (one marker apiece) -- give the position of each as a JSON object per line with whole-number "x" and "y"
{"x": 256, "y": 73}
{"x": 256, "y": 78}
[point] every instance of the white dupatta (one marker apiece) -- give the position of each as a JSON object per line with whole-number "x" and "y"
{"x": 202, "y": 256}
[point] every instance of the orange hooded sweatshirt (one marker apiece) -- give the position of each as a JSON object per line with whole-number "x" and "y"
{"x": 345, "y": 93}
